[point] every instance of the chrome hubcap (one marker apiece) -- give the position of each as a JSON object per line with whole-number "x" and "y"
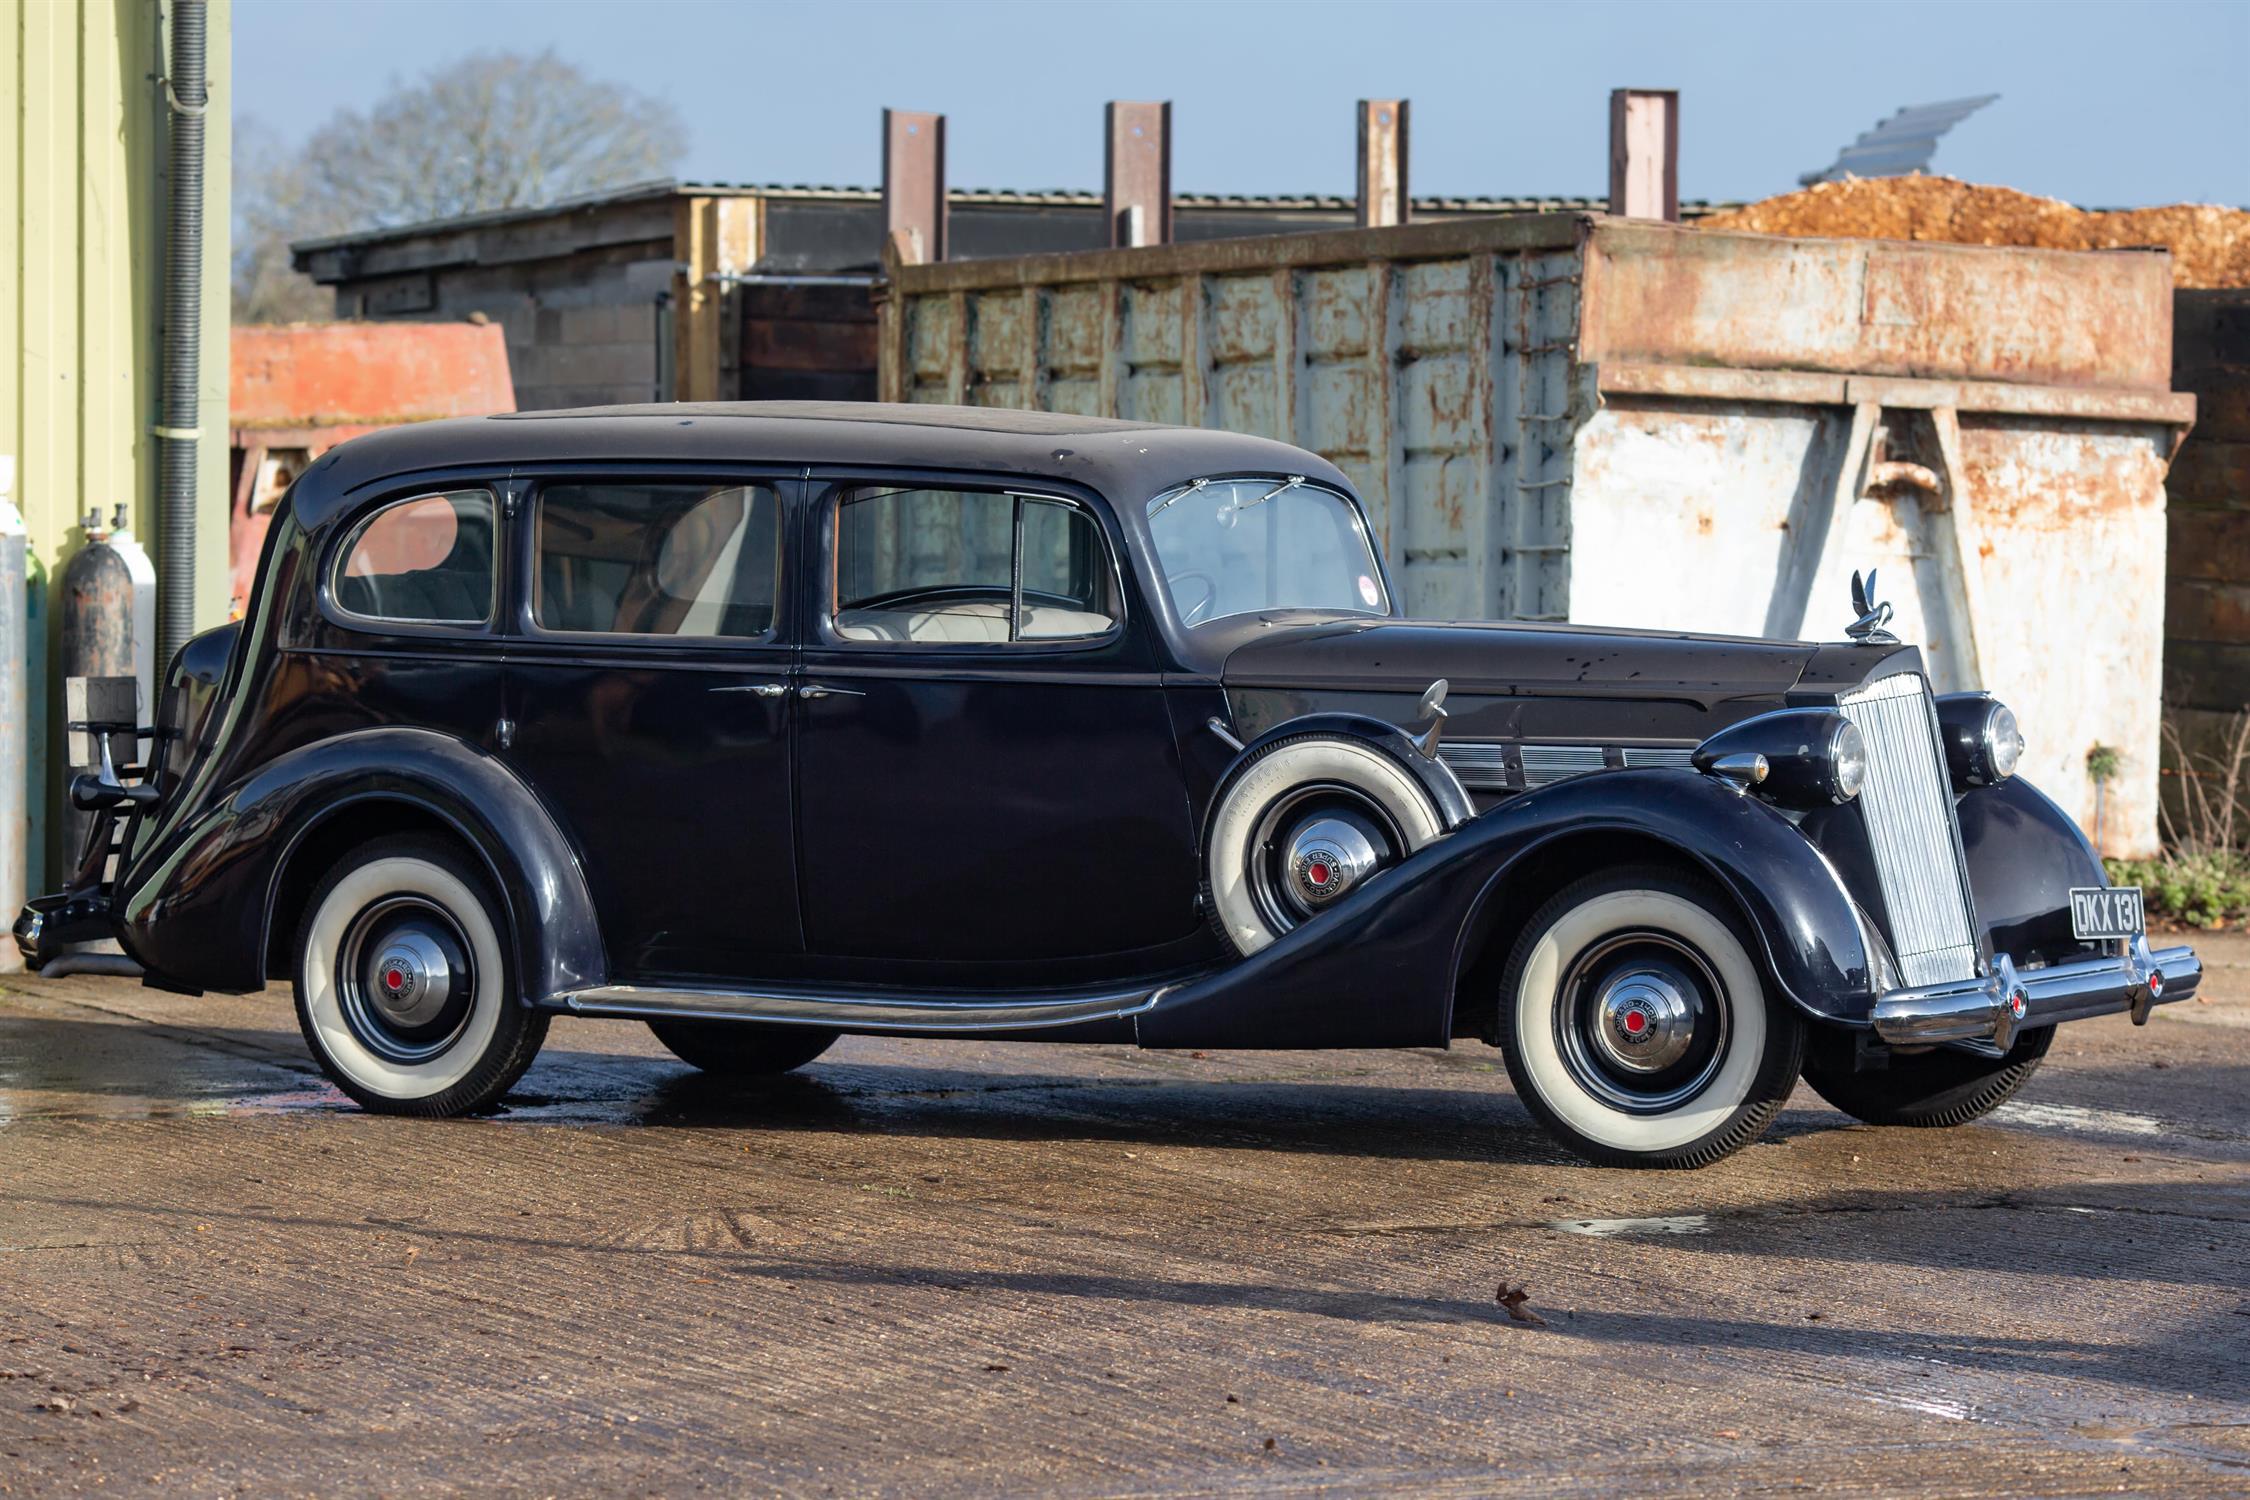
{"x": 1641, "y": 1021}
{"x": 405, "y": 979}
{"x": 1314, "y": 846}
{"x": 1325, "y": 858}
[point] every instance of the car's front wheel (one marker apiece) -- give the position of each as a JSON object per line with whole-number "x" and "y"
{"x": 1636, "y": 1024}
{"x": 404, "y": 989}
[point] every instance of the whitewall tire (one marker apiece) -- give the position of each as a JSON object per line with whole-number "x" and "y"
{"x": 1303, "y": 824}
{"x": 1637, "y": 1025}
{"x": 405, "y": 989}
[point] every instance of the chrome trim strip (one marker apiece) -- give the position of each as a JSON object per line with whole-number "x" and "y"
{"x": 1547, "y": 763}
{"x": 860, "y": 1012}
{"x": 1659, "y": 755}
{"x": 1986, "y": 1009}
{"x": 1481, "y": 765}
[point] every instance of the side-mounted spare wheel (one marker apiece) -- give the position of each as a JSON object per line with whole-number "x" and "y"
{"x": 1637, "y": 1025}
{"x": 405, "y": 984}
{"x": 1303, "y": 822}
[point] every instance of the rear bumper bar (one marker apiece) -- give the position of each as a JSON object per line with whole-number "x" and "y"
{"x": 1993, "y": 1009}
{"x": 50, "y": 925}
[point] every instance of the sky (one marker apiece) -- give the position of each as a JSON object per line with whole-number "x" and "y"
{"x": 2103, "y": 104}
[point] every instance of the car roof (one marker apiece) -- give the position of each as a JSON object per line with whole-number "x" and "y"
{"x": 1127, "y": 461}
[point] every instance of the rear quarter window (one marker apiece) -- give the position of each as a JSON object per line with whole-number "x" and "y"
{"x": 420, "y": 561}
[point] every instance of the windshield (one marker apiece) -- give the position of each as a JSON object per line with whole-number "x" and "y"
{"x": 1238, "y": 546}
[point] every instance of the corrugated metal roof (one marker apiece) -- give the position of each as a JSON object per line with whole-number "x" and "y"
{"x": 1903, "y": 143}
{"x": 998, "y": 197}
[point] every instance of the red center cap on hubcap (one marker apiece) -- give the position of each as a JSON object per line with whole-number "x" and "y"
{"x": 1318, "y": 874}
{"x": 1635, "y": 1023}
{"x": 394, "y": 980}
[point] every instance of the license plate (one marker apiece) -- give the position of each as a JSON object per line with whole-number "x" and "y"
{"x": 2106, "y": 911}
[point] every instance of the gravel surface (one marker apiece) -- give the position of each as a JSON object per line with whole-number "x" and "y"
{"x": 944, "y": 1268}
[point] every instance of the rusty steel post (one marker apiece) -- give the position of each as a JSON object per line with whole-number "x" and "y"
{"x": 914, "y": 183}
{"x": 1137, "y": 173}
{"x": 1644, "y": 153}
{"x": 1382, "y": 163}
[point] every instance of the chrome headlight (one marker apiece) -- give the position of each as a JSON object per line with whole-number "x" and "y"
{"x": 1814, "y": 757}
{"x": 1983, "y": 745}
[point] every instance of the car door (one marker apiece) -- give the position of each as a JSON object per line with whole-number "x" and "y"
{"x": 986, "y": 771}
{"x": 648, "y": 689}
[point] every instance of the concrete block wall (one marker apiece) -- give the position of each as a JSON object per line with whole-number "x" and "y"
{"x": 2207, "y": 594}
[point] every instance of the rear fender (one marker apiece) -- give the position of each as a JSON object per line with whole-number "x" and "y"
{"x": 1381, "y": 969}
{"x": 199, "y": 911}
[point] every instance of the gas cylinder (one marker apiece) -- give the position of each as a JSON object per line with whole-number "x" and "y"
{"x": 108, "y": 614}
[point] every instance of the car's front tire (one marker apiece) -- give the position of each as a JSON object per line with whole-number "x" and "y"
{"x": 1932, "y": 1090}
{"x": 1637, "y": 1026}
{"x": 738, "y": 1049}
{"x": 405, "y": 989}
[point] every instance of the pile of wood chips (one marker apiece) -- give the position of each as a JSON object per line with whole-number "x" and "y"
{"x": 2210, "y": 246}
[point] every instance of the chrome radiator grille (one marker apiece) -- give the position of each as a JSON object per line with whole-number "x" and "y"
{"x": 1908, "y": 805}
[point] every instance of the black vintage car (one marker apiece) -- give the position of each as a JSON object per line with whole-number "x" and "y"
{"x": 767, "y": 723}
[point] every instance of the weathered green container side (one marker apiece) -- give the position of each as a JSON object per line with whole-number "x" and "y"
{"x": 82, "y": 189}
{"x": 1624, "y": 422}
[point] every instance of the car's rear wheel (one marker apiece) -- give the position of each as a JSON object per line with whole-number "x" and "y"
{"x": 1637, "y": 1026}
{"x": 737, "y": 1049}
{"x": 405, "y": 989}
{"x": 1933, "y": 1089}
{"x": 1302, "y": 824}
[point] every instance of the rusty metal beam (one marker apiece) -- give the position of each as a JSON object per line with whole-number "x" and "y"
{"x": 914, "y": 204}
{"x": 1819, "y": 388}
{"x": 1383, "y": 199}
{"x": 1644, "y": 153}
{"x": 1430, "y": 240}
{"x": 1137, "y": 173}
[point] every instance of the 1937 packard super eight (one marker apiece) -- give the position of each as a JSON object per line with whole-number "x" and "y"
{"x": 768, "y": 723}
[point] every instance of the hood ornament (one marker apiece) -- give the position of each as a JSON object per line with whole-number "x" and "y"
{"x": 1870, "y": 615}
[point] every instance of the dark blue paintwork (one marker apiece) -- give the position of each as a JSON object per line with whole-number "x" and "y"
{"x": 983, "y": 819}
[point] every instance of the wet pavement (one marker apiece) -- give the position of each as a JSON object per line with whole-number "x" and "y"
{"x": 923, "y": 1267}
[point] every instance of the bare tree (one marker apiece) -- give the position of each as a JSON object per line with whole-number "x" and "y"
{"x": 493, "y": 131}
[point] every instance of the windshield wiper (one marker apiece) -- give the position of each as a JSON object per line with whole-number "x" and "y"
{"x": 1176, "y": 497}
{"x": 1287, "y": 484}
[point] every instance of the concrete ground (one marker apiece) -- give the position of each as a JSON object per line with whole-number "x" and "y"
{"x": 949, "y": 1268}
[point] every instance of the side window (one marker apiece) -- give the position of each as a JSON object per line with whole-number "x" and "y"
{"x": 427, "y": 560}
{"x": 949, "y": 567}
{"x": 657, "y": 559}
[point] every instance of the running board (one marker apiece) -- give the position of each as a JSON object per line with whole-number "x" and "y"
{"x": 860, "y": 1012}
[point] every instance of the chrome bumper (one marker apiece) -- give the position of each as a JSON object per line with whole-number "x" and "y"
{"x": 1995, "y": 1008}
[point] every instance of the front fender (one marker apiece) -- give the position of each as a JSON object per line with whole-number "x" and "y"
{"x": 198, "y": 910}
{"x": 1380, "y": 969}
{"x": 2025, "y": 854}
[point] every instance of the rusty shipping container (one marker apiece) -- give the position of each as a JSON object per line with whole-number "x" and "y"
{"x": 1618, "y": 422}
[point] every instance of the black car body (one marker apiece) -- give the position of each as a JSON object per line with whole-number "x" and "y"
{"x": 769, "y": 722}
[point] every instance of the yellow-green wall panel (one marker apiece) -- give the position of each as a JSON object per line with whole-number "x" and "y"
{"x": 83, "y": 157}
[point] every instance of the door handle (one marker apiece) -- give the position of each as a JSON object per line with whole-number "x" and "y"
{"x": 815, "y": 690}
{"x": 762, "y": 689}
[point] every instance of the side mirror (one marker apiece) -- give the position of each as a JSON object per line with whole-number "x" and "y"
{"x": 1433, "y": 709}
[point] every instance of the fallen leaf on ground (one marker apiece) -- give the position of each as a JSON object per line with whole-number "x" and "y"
{"x": 1512, "y": 1302}
{"x": 995, "y": 1369}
